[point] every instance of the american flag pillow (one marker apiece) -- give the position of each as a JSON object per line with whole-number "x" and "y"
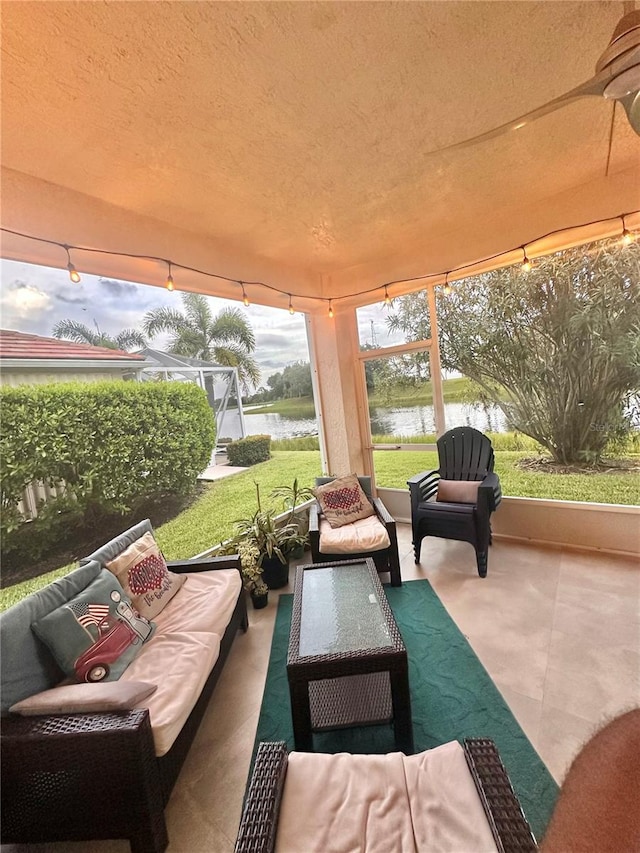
{"x": 96, "y": 634}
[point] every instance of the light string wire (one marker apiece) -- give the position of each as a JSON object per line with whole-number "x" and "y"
{"x": 67, "y": 247}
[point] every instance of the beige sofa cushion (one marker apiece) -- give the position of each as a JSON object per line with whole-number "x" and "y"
{"x": 185, "y": 649}
{"x": 344, "y": 804}
{"x": 179, "y": 664}
{"x": 446, "y": 810}
{"x": 205, "y": 603}
{"x": 366, "y": 534}
{"x": 377, "y": 803}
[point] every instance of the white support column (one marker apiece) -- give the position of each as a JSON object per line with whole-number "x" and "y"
{"x": 333, "y": 345}
{"x": 434, "y": 361}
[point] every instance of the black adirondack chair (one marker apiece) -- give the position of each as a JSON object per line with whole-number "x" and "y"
{"x": 463, "y": 454}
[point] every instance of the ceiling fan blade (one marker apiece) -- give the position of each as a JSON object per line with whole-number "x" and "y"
{"x": 594, "y": 86}
{"x": 617, "y": 78}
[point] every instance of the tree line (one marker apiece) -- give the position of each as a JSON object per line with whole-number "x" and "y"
{"x": 293, "y": 381}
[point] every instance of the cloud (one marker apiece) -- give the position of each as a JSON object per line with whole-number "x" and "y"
{"x": 20, "y": 300}
{"x": 37, "y": 298}
{"x": 70, "y": 300}
{"x": 119, "y": 289}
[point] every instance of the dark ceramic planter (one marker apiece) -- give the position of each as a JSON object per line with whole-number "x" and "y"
{"x": 259, "y": 601}
{"x": 274, "y": 573}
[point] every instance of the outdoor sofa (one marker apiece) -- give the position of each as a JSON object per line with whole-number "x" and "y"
{"x": 99, "y": 775}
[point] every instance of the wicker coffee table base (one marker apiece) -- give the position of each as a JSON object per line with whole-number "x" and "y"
{"x": 365, "y": 686}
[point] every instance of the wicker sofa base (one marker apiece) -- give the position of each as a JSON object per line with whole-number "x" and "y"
{"x": 96, "y": 776}
{"x": 259, "y": 822}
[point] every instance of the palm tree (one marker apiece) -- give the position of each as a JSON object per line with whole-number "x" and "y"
{"x": 72, "y": 330}
{"x": 226, "y": 339}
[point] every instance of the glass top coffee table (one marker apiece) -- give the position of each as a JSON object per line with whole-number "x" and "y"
{"x": 347, "y": 663}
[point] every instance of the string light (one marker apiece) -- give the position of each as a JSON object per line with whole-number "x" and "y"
{"x": 627, "y": 238}
{"x": 447, "y": 287}
{"x": 291, "y": 311}
{"x": 74, "y": 275}
{"x": 387, "y": 301}
{"x": 169, "y": 281}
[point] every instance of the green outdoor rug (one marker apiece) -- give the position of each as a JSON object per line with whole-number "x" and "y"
{"x": 452, "y": 697}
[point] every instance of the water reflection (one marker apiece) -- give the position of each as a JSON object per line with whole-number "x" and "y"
{"x": 391, "y": 421}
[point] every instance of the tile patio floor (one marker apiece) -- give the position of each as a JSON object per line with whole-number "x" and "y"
{"x": 559, "y": 632}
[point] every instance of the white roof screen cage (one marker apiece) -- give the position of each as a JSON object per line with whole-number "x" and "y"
{"x": 220, "y": 384}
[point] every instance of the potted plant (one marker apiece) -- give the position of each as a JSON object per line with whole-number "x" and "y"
{"x": 291, "y": 496}
{"x": 270, "y": 539}
{"x": 252, "y": 574}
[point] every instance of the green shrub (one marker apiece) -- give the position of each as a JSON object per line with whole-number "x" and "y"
{"x": 116, "y": 446}
{"x": 249, "y": 451}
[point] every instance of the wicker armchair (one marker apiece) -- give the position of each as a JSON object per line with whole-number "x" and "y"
{"x": 259, "y": 821}
{"x": 386, "y": 560}
{"x": 464, "y": 455}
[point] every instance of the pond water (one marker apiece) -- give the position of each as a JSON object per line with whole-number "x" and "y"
{"x": 392, "y": 420}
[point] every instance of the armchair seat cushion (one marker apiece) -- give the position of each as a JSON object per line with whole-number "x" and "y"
{"x": 373, "y": 803}
{"x": 366, "y": 534}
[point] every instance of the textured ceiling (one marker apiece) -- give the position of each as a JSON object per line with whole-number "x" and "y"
{"x": 299, "y": 141}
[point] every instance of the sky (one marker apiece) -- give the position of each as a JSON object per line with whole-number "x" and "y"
{"x": 34, "y": 298}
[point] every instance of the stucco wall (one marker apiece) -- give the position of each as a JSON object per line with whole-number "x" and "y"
{"x": 27, "y": 377}
{"x": 605, "y": 527}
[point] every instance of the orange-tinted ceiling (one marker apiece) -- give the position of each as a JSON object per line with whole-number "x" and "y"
{"x": 298, "y": 142}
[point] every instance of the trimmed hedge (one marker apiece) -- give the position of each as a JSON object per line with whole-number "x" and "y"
{"x": 249, "y": 451}
{"x": 117, "y": 446}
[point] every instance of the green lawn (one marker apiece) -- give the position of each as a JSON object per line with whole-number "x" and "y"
{"x": 210, "y": 519}
{"x": 394, "y": 468}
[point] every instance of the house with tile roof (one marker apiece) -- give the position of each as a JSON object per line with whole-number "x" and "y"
{"x": 32, "y": 359}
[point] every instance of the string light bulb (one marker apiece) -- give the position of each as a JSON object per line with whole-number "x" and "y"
{"x": 330, "y": 309}
{"x": 74, "y": 275}
{"x": 169, "y": 282}
{"x": 447, "y": 287}
{"x": 526, "y": 263}
{"x": 387, "y": 300}
{"x": 627, "y": 237}
{"x": 291, "y": 311}
{"x": 245, "y": 298}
